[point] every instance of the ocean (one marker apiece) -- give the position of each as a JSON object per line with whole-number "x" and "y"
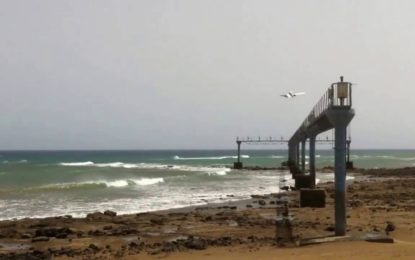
{"x": 56, "y": 183}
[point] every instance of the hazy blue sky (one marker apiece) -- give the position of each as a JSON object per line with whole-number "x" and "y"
{"x": 195, "y": 74}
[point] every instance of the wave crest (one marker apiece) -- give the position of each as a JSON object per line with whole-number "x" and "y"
{"x": 102, "y": 184}
{"x": 176, "y": 157}
{"x": 206, "y": 169}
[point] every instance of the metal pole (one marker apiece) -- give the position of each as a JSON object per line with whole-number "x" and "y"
{"x": 239, "y": 150}
{"x": 312, "y": 162}
{"x": 340, "y": 179}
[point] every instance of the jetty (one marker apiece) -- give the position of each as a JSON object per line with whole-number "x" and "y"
{"x": 333, "y": 111}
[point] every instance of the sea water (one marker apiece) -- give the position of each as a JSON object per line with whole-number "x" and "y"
{"x": 52, "y": 183}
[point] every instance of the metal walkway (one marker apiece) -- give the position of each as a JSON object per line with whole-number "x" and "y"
{"x": 332, "y": 111}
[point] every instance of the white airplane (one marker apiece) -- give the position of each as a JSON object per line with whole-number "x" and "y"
{"x": 292, "y": 94}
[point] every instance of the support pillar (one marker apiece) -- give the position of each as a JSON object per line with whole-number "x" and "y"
{"x": 312, "y": 161}
{"x": 340, "y": 179}
{"x": 340, "y": 119}
{"x": 297, "y": 161}
{"x": 303, "y": 156}
{"x": 349, "y": 164}
{"x": 238, "y": 163}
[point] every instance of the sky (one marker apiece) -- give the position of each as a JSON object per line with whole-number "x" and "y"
{"x": 189, "y": 74}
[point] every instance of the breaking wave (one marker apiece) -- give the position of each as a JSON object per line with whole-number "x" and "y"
{"x": 102, "y": 184}
{"x": 210, "y": 158}
{"x": 77, "y": 163}
{"x": 205, "y": 169}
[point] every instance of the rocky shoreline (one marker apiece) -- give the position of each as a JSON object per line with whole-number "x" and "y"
{"x": 379, "y": 200}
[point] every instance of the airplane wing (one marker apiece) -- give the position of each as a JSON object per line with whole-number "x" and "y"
{"x": 285, "y": 95}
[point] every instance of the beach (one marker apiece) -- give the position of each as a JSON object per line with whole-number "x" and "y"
{"x": 241, "y": 229}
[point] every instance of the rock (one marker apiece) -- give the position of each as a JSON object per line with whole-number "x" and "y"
{"x": 26, "y": 236}
{"x": 223, "y": 241}
{"x": 208, "y": 218}
{"x": 258, "y": 197}
{"x": 61, "y": 232}
{"x": 196, "y": 243}
{"x": 168, "y": 247}
{"x": 95, "y": 216}
{"x": 61, "y": 236}
{"x": 249, "y": 206}
{"x": 380, "y": 240}
{"x": 110, "y": 213}
{"x": 389, "y": 227}
{"x": 94, "y": 247}
{"x": 107, "y": 227}
{"x": 330, "y": 229}
{"x": 40, "y": 239}
{"x": 262, "y": 202}
{"x": 157, "y": 221}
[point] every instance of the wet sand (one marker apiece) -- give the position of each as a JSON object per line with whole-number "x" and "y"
{"x": 234, "y": 230}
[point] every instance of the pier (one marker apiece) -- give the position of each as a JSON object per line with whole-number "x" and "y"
{"x": 268, "y": 141}
{"x": 332, "y": 111}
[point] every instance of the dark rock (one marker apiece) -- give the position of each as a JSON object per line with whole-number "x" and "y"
{"x": 53, "y": 232}
{"x": 380, "y": 240}
{"x": 110, "y": 213}
{"x": 168, "y": 247}
{"x": 196, "y": 243}
{"x": 95, "y": 216}
{"x": 249, "y": 206}
{"x": 94, "y": 247}
{"x": 223, "y": 241}
{"x": 208, "y": 218}
{"x": 157, "y": 221}
{"x": 40, "y": 239}
{"x": 96, "y": 232}
{"x": 258, "y": 196}
{"x": 330, "y": 229}
{"x": 107, "y": 227}
{"x": 61, "y": 236}
{"x": 262, "y": 202}
{"x": 26, "y": 236}
{"x": 389, "y": 227}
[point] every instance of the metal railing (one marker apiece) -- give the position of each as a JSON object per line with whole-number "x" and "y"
{"x": 339, "y": 95}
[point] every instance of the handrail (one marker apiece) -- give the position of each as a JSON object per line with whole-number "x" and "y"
{"x": 338, "y": 95}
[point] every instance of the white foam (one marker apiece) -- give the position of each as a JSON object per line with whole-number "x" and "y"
{"x": 148, "y": 181}
{"x": 277, "y": 156}
{"x": 209, "y": 170}
{"x": 89, "y": 163}
{"x": 210, "y": 158}
{"x": 117, "y": 184}
{"x": 103, "y": 183}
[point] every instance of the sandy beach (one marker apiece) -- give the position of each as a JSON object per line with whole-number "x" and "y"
{"x": 377, "y": 199}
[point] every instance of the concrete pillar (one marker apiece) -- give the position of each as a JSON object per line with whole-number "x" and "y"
{"x": 303, "y": 155}
{"x": 291, "y": 152}
{"x": 312, "y": 161}
{"x": 297, "y": 161}
{"x": 340, "y": 119}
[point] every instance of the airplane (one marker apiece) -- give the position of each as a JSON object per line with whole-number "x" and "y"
{"x": 292, "y": 94}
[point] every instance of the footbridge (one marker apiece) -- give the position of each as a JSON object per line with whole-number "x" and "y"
{"x": 332, "y": 111}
